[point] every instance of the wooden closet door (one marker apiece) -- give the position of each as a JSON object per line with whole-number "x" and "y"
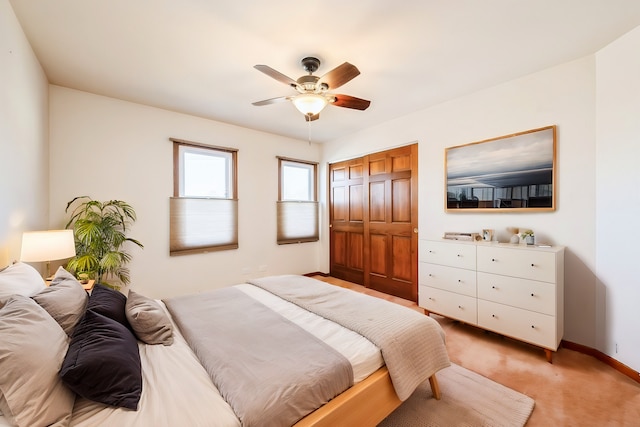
{"x": 391, "y": 239}
{"x": 346, "y": 220}
{"x": 373, "y": 205}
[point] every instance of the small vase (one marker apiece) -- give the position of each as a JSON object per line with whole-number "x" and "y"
{"x": 529, "y": 240}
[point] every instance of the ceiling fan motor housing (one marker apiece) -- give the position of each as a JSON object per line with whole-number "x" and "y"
{"x": 308, "y": 83}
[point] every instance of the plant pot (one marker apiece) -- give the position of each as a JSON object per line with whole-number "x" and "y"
{"x": 529, "y": 240}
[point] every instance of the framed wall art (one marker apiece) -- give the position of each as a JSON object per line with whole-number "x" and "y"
{"x": 509, "y": 173}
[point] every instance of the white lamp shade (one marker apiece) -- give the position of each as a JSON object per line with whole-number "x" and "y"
{"x": 309, "y": 104}
{"x": 48, "y": 245}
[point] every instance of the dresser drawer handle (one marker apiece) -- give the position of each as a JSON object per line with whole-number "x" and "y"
{"x": 493, "y": 287}
{"x": 430, "y": 275}
{"x": 494, "y": 316}
{"x": 533, "y": 295}
{"x": 533, "y": 326}
{"x": 493, "y": 260}
{"x": 460, "y": 307}
{"x": 459, "y": 281}
{"x": 533, "y": 265}
{"x": 459, "y": 256}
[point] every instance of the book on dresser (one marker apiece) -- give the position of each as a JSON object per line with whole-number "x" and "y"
{"x": 513, "y": 290}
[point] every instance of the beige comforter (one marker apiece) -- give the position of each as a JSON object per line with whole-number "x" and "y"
{"x": 412, "y": 344}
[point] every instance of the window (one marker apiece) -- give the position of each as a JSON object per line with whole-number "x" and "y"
{"x": 204, "y": 206}
{"x": 204, "y": 172}
{"x": 297, "y": 201}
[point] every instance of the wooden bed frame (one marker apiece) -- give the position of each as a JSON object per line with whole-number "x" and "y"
{"x": 365, "y": 404}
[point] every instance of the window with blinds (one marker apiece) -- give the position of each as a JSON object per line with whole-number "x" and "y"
{"x": 297, "y": 206}
{"x": 203, "y": 212}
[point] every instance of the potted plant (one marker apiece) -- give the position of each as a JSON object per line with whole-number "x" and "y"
{"x": 100, "y": 232}
{"x": 528, "y": 236}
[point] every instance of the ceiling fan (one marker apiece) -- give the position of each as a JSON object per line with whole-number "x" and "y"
{"x": 313, "y": 91}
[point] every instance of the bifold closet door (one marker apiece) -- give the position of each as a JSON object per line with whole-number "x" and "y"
{"x": 374, "y": 219}
{"x": 346, "y": 220}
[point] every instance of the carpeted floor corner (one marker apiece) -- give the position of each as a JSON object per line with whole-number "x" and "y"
{"x": 468, "y": 399}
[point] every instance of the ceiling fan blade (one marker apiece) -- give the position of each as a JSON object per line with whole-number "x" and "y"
{"x": 339, "y": 75}
{"x": 276, "y": 75}
{"x": 311, "y": 118}
{"x": 270, "y": 101}
{"x": 347, "y": 101}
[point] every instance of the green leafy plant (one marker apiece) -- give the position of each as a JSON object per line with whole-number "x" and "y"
{"x": 100, "y": 232}
{"x": 526, "y": 233}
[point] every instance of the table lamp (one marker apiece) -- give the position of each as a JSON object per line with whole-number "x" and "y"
{"x": 50, "y": 245}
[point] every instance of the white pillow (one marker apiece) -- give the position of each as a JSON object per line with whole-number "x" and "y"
{"x": 19, "y": 279}
{"x": 149, "y": 321}
{"x": 65, "y": 300}
{"x": 32, "y": 348}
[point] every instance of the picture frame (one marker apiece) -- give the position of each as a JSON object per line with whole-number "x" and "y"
{"x": 514, "y": 173}
{"x": 487, "y": 234}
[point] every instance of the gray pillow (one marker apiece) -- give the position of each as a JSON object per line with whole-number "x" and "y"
{"x": 19, "y": 279}
{"x": 149, "y": 321}
{"x": 32, "y": 348}
{"x": 65, "y": 300}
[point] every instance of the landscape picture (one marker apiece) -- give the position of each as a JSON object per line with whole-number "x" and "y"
{"x": 513, "y": 172}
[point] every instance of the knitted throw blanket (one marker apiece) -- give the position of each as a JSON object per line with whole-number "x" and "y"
{"x": 412, "y": 344}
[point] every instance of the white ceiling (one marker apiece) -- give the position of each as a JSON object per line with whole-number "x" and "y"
{"x": 197, "y": 56}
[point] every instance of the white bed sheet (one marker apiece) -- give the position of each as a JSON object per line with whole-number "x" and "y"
{"x": 364, "y": 356}
{"x": 178, "y": 391}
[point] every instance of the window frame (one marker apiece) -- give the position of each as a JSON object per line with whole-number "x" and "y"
{"x": 184, "y": 207}
{"x": 297, "y": 205}
{"x": 177, "y": 143}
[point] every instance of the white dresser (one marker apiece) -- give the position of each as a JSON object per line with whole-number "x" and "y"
{"x": 514, "y": 290}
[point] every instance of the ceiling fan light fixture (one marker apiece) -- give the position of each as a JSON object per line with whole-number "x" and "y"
{"x": 309, "y": 104}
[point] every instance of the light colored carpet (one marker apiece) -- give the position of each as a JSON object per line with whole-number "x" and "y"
{"x": 468, "y": 399}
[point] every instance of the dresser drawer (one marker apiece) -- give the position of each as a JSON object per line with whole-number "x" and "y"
{"x": 534, "y": 328}
{"x": 459, "y": 255}
{"x": 526, "y": 263}
{"x": 449, "y": 304}
{"x": 452, "y": 279}
{"x": 522, "y": 293}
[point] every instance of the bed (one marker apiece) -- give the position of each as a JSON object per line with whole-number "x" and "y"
{"x": 175, "y": 380}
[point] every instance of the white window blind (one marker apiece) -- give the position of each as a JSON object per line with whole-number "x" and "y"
{"x": 297, "y": 222}
{"x": 202, "y": 224}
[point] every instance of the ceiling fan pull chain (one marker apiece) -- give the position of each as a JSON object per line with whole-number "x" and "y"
{"x": 309, "y": 123}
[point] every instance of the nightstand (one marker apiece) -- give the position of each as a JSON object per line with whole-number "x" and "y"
{"x": 89, "y": 285}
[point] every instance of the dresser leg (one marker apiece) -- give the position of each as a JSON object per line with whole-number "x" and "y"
{"x": 549, "y": 355}
{"x": 426, "y": 312}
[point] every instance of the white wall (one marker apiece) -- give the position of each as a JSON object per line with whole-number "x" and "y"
{"x": 562, "y": 96}
{"x": 617, "y": 192}
{"x": 111, "y": 149}
{"x": 24, "y": 155}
